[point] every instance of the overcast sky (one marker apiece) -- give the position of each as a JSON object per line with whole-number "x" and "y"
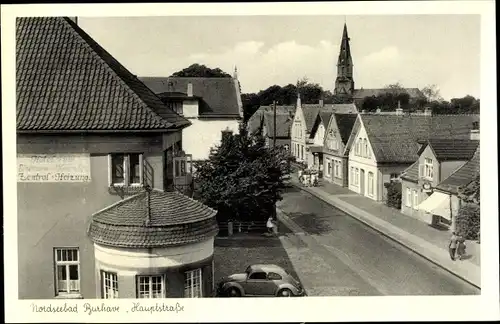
{"x": 415, "y": 50}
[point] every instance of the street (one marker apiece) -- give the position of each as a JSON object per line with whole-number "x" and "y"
{"x": 338, "y": 255}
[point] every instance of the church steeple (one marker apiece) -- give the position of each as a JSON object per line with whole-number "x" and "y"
{"x": 344, "y": 84}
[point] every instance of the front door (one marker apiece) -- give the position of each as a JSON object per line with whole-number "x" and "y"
{"x": 362, "y": 182}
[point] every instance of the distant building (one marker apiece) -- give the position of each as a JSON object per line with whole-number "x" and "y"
{"x": 212, "y": 105}
{"x": 91, "y": 138}
{"x": 382, "y": 146}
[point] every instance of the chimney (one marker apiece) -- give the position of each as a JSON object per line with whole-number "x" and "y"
{"x": 427, "y": 111}
{"x": 299, "y": 103}
{"x": 399, "y": 110}
{"x": 235, "y": 74}
{"x": 321, "y": 103}
{"x": 474, "y": 132}
{"x": 190, "y": 89}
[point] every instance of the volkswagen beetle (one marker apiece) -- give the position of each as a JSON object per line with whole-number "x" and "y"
{"x": 260, "y": 280}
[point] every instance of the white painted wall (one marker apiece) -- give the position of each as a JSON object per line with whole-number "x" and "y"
{"x": 135, "y": 261}
{"x": 203, "y": 134}
{"x": 298, "y": 136}
{"x": 368, "y": 165}
{"x": 319, "y": 137}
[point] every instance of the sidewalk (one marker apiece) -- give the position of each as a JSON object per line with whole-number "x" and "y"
{"x": 419, "y": 237}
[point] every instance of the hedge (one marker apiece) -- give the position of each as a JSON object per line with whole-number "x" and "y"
{"x": 468, "y": 221}
{"x": 394, "y": 194}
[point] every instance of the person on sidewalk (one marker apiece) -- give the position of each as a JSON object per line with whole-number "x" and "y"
{"x": 452, "y": 247}
{"x": 270, "y": 225}
{"x": 461, "y": 247}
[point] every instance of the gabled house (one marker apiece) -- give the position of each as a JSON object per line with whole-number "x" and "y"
{"x": 307, "y": 120}
{"x": 100, "y": 155}
{"x": 212, "y": 105}
{"x": 438, "y": 160}
{"x": 382, "y": 146}
{"x": 334, "y": 148}
{"x": 315, "y": 148}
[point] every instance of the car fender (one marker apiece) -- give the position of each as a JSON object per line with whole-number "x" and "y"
{"x": 286, "y": 286}
{"x": 233, "y": 284}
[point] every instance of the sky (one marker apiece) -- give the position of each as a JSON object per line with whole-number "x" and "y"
{"x": 414, "y": 50}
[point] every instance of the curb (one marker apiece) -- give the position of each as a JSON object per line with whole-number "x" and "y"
{"x": 389, "y": 236}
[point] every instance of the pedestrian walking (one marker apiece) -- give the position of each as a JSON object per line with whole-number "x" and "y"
{"x": 452, "y": 247}
{"x": 461, "y": 247}
{"x": 270, "y": 225}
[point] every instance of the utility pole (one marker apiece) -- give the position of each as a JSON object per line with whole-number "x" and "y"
{"x": 274, "y": 121}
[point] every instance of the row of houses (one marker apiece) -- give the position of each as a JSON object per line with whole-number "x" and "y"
{"x": 103, "y": 161}
{"x": 366, "y": 151}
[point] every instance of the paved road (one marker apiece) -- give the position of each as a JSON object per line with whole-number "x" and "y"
{"x": 338, "y": 255}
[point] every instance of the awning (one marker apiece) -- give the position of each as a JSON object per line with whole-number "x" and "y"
{"x": 437, "y": 204}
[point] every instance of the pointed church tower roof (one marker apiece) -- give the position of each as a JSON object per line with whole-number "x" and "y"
{"x": 345, "y": 49}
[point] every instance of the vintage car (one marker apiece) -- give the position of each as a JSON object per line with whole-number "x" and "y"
{"x": 260, "y": 280}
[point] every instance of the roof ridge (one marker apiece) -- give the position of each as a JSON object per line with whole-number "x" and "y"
{"x": 85, "y": 39}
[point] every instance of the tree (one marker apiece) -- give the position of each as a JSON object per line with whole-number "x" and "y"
{"x": 469, "y": 216}
{"x": 201, "y": 71}
{"x": 242, "y": 178}
{"x": 432, "y": 93}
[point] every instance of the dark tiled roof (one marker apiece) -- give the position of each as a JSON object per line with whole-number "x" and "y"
{"x": 462, "y": 176}
{"x": 310, "y": 114}
{"x": 345, "y": 108}
{"x": 219, "y": 95}
{"x": 361, "y": 93}
{"x": 283, "y": 124}
{"x": 67, "y": 82}
{"x": 173, "y": 219}
{"x": 345, "y": 122}
{"x": 411, "y": 173}
{"x": 394, "y": 138}
{"x": 452, "y": 149}
{"x": 325, "y": 117}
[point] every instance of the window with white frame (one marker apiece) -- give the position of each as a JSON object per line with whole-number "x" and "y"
{"x": 193, "y": 284}
{"x": 67, "y": 264}
{"x": 151, "y": 286}
{"x": 365, "y": 147}
{"x": 109, "y": 281}
{"x": 415, "y": 199}
{"x": 394, "y": 177}
{"x": 370, "y": 184}
{"x": 360, "y": 146}
{"x": 428, "y": 169}
{"x": 356, "y": 177}
{"x": 337, "y": 168}
{"x": 352, "y": 176}
{"x": 329, "y": 167}
{"x": 125, "y": 169}
{"x": 408, "y": 197}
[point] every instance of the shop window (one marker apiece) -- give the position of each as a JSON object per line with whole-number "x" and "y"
{"x": 150, "y": 286}
{"x": 125, "y": 169}
{"x": 67, "y": 264}
{"x": 109, "y": 281}
{"x": 193, "y": 284}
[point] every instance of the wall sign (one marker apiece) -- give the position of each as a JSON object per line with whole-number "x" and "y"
{"x": 426, "y": 187}
{"x": 53, "y": 168}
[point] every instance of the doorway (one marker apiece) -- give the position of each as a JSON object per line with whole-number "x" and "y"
{"x": 362, "y": 182}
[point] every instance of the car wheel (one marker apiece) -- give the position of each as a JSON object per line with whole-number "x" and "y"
{"x": 285, "y": 293}
{"x": 234, "y": 292}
